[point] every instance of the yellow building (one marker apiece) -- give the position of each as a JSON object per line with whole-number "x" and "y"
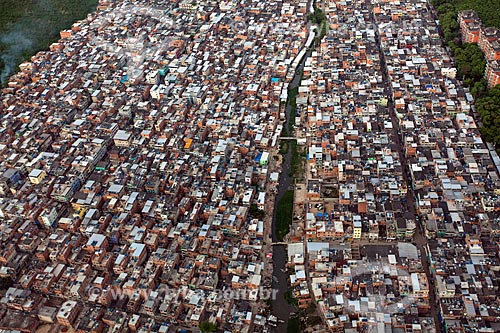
{"x": 36, "y": 176}
{"x": 356, "y": 234}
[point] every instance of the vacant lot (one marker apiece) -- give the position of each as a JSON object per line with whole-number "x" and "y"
{"x": 28, "y": 26}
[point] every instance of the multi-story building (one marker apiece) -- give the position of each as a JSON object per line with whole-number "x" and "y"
{"x": 492, "y": 73}
{"x": 488, "y": 40}
{"x": 67, "y": 313}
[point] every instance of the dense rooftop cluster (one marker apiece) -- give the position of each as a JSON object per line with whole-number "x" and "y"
{"x": 139, "y": 162}
{"x": 134, "y": 150}
{"x": 454, "y": 173}
{"x": 353, "y": 159}
{"x": 394, "y": 155}
{"x": 452, "y": 170}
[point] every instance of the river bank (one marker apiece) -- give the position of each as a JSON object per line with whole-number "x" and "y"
{"x": 281, "y": 308}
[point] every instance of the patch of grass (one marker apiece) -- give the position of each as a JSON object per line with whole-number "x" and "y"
{"x": 284, "y": 214}
{"x": 298, "y": 161}
{"x": 294, "y": 165}
{"x": 292, "y": 95}
{"x": 283, "y": 144}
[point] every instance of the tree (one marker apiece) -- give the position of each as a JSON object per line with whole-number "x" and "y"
{"x": 488, "y": 108}
{"x": 489, "y": 17}
{"x": 479, "y": 89}
{"x": 449, "y": 24}
{"x": 470, "y": 60}
{"x": 256, "y": 212}
{"x": 207, "y": 327}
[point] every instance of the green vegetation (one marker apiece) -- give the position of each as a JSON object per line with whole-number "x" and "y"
{"x": 318, "y": 18}
{"x": 470, "y": 62}
{"x": 298, "y": 161}
{"x": 284, "y": 132}
{"x": 470, "y": 59}
{"x": 290, "y": 299}
{"x": 298, "y": 157}
{"x": 489, "y": 109}
{"x": 448, "y": 21}
{"x": 283, "y": 144}
{"x": 295, "y": 325}
{"x": 486, "y": 9}
{"x": 294, "y": 165}
{"x": 283, "y": 147}
{"x": 292, "y": 96}
{"x": 28, "y": 26}
{"x": 304, "y": 317}
{"x": 284, "y": 214}
{"x": 207, "y": 327}
{"x": 323, "y": 32}
{"x": 256, "y": 212}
